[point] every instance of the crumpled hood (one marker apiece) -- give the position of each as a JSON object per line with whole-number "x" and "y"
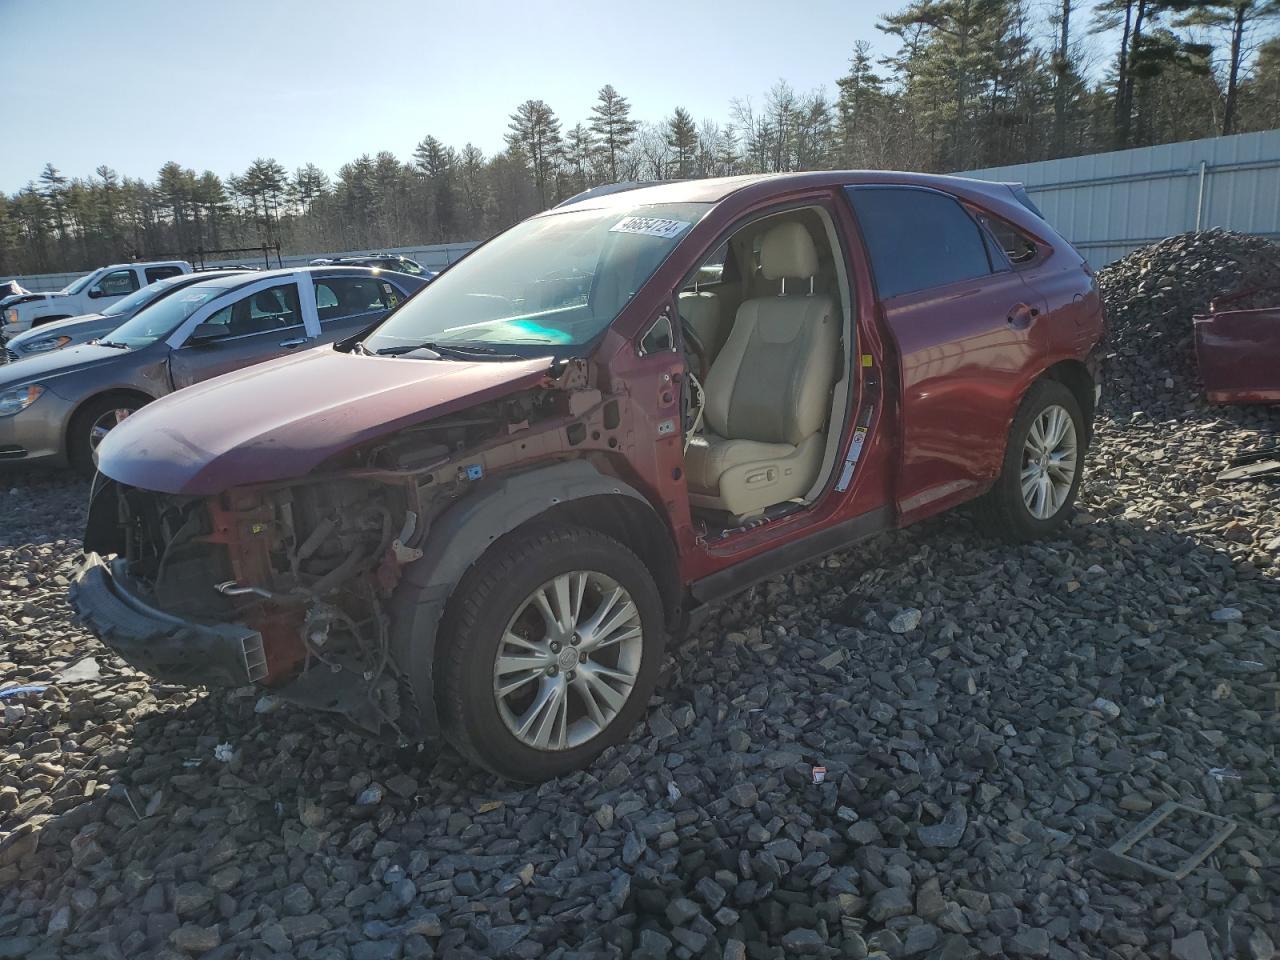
{"x": 71, "y": 325}
{"x": 281, "y": 419}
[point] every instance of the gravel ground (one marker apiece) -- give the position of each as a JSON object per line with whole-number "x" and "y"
{"x": 991, "y": 719}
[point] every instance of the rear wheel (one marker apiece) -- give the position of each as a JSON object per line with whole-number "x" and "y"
{"x": 92, "y": 423}
{"x": 549, "y": 653}
{"x": 1036, "y": 490}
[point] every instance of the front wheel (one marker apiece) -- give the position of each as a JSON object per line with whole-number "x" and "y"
{"x": 1043, "y": 463}
{"x": 90, "y": 426}
{"x": 549, "y": 653}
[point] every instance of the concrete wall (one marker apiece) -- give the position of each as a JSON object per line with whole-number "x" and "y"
{"x": 1108, "y": 204}
{"x": 431, "y": 256}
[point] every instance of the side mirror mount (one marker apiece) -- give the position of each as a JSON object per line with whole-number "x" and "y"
{"x": 659, "y": 338}
{"x": 95, "y": 293}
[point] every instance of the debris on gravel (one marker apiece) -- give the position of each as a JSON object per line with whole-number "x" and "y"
{"x": 991, "y": 719}
{"x": 1152, "y": 294}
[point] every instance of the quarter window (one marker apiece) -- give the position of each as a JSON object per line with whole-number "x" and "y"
{"x": 118, "y": 283}
{"x": 1017, "y": 246}
{"x": 159, "y": 273}
{"x": 918, "y": 239}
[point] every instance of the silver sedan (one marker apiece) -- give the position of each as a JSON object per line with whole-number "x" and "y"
{"x": 56, "y": 407}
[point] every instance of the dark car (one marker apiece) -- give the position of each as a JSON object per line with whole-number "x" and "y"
{"x": 380, "y": 261}
{"x": 486, "y": 516}
{"x": 59, "y": 334}
{"x": 58, "y": 406}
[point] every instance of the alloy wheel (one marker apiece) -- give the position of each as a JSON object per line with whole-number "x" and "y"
{"x": 568, "y": 660}
{"x": 1050, "y": 457}
{"x": 105, "y": 423}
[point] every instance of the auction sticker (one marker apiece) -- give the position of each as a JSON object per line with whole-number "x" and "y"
{"x": 650, "y": 227}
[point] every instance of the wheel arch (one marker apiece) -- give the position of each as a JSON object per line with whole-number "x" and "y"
{"x": 41, "y": 321}
{"x": 131, "y": 393}
{"x": 571, "y": 492}
{"x": 1075, "y": 376}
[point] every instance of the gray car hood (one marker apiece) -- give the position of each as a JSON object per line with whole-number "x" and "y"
{"x": 43, "y": 367}
{"x": 61, "y": 326}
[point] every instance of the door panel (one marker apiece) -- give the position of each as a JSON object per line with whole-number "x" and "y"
{"x": 194, "y": 362}
{"x": 964, "y": 352}
{"x": 261, "y": 325}
{"x": 968, "y": 330}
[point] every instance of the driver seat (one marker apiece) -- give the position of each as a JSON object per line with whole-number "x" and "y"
{"x": 768, "y": 391}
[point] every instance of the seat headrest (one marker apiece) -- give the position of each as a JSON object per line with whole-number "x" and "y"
{"x": 788, "y": 251}
{"x": 266, "y": 302}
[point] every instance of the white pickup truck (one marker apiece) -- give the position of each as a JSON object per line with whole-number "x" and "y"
{"x": 89, "y": 294}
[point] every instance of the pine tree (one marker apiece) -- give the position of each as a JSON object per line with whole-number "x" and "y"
{"x": 682, "y": 138}
{"x": 535, "y": 131}
{"x": 613, "y": 127}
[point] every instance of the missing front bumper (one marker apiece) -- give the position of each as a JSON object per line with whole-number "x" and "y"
{"x": 164, "y": 646}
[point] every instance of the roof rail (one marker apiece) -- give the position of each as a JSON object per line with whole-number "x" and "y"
{"x": 607, "y": 188}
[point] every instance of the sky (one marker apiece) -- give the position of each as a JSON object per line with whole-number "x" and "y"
{"x": 214, "y": 85}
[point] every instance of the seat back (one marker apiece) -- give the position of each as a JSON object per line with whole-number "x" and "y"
{"x": 772, "y": 380}
{"x": 701, "y": 311}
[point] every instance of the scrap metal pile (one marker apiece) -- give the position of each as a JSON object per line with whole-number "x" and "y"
{"x": 1152, "y": 295}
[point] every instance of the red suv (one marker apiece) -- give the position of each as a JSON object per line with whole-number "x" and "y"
{"x": 485, "y": 515}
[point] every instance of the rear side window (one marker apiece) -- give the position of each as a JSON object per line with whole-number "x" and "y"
{"x": 117, "y": 283}
{"x": 917, "y": 239}
{"x": 159, "y": 273}
{"x": 347, "y": 296}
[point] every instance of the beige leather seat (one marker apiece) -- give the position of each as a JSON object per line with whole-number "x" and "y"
{"x": 768, "y": 392}
{"x": 701, "y": 311}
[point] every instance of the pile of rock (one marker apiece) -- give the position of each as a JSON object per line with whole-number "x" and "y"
{"x": 1151, "y": 296}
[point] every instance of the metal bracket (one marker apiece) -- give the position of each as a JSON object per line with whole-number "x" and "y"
{"x": 1122, "y": 846}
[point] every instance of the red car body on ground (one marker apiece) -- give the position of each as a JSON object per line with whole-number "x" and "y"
{"x": 486, "y": 515}
{"x": 1238, "y": 347}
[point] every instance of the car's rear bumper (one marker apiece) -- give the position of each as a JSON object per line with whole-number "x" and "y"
{"x": 164, "y": 646}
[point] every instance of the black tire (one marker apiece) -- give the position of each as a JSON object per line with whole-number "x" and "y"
{"x": 41, "y": 321}
{"x": 479, "y": 613}
{"x": 79, "y": 442}
{"x": 1002, "y": 512}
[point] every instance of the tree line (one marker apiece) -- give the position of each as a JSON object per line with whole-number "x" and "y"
{"x": 971, "y": 83}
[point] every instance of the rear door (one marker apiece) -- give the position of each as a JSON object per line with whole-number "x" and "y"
{"x": 345, "y": 305}
{"x": 964, "y": 326}
{"x": 267, "y": 321}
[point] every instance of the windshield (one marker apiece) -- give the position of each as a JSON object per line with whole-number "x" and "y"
{"x": 137, "y": 300}
{"x": 77, "y": 285}
{"x": 555, "y": 281}
{"x": 161, "y": 319}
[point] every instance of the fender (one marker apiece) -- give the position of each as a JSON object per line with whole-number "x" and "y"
{"x": 460, "y": 537}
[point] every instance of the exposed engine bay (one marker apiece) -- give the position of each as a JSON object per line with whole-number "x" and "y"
{"x": 311, "y": 566}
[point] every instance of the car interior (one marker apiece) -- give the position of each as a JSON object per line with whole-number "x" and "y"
{"x": 767, "y": 320}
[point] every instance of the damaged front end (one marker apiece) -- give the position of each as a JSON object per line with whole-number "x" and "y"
{"x": 291, "y": 584}
{"x": 283, "y": 586}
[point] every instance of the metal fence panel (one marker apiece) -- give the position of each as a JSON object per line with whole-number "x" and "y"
{"x": 432, "y": 256}
{"x": 1108, "y": 204}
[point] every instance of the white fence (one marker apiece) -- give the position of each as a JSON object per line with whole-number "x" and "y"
{"x": 1108, "y": 204}
{"x": 432, "y": 256}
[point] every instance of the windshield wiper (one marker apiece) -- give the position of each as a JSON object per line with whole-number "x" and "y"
{"x": 445, "y": 350}
{"x": 113, "y": 343}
